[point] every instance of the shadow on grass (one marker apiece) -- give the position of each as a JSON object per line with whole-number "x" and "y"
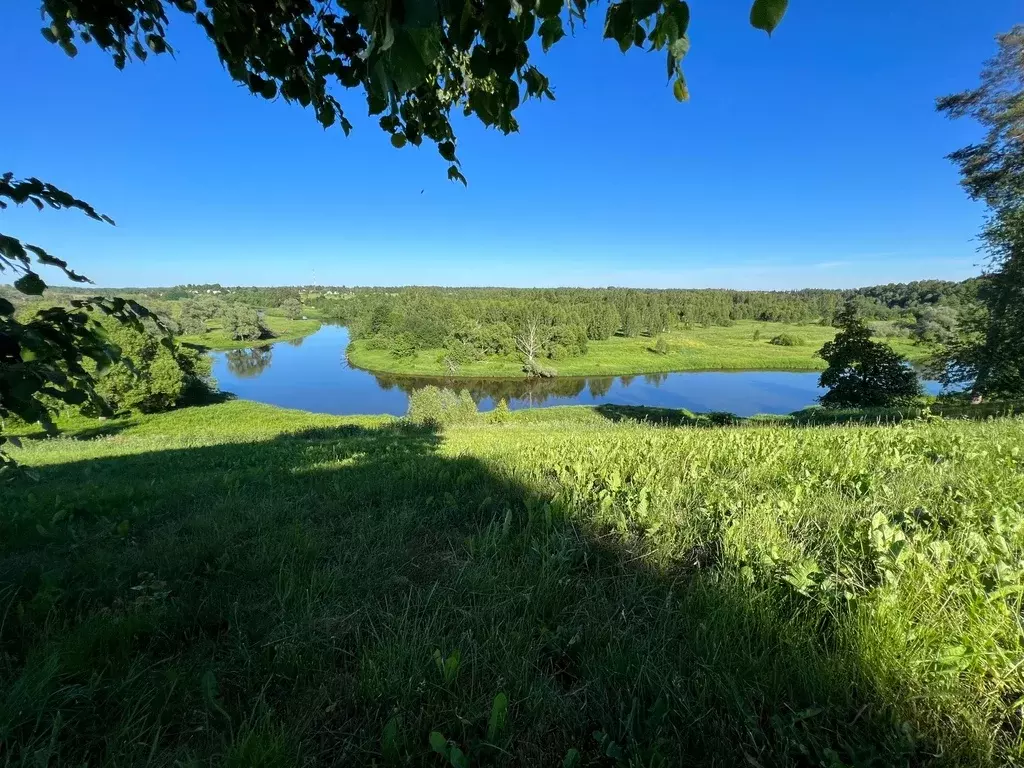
{"x": 281, "y": 602}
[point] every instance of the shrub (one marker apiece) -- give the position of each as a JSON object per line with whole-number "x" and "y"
{"x": 533, "y": 368}
{"x": 787, "y": 340}
{"x": 150, "y": 377}
{"x": 661, "y": 346}
{"x": 501, "y": 413}
{"x": 723, "y": 418}
{"x": 441, "y": 407}
{"x": 757, "y": 335}
{"x": 403, "y": 345}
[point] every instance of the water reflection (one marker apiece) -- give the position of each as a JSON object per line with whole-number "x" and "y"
{"x": 528, "y": 391}
{"x": 312, "y": 374}
{"x": 249, "y": 363}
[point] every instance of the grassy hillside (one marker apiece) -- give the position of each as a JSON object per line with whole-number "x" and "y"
{"x": 282, "y": 328}
{"x": 243, "y": 585}
{"x": 699, "y": 349}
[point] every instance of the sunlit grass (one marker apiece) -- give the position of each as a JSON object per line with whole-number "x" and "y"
{"x": 241, "y": 584}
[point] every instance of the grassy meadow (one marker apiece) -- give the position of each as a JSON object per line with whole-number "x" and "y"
{"x": 714, "y": 348}
{"x": 281, "y": 328}
{"x": 242, "y": 585}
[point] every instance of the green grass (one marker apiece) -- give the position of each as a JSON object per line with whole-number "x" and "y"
{"x": 700, "y": 349}
{"x": 242, "y": 585}
{"x": 282, "y": 328}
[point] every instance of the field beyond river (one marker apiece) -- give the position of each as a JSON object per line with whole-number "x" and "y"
{"x": 238, "y": 584}
{"x": 745, "y": 345}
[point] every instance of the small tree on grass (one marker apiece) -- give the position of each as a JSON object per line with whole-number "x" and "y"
{"x": 863, "y": 373}
{"x": 292, "y": 309}
{"x": 243, "y": 323}
{"x": 661, "y": 346}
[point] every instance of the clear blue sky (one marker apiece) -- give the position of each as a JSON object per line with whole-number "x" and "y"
{"x": 814, "y": 158}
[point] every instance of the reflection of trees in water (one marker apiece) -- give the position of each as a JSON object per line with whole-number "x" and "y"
{"x": 655, "y": 379}
{"x": 249, "y": 363}
{"x": 599, "y": 385}
{"x": 534, "y": 391}
{"x": 296, "y": 342}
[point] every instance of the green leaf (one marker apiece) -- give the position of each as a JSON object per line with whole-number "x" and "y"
{"x": 268, "y": 89}
{"x": 421, "y": 14}
{"x": 48, "y": 34}
{"x": 547, "y": 9}
{"x": 30, "y": 284}
{"x": 571, "y": 759}
{"x": 644, "y": 8}
{"x": 619, "y": 24}
{"x": 447, "y": 151}
{"x": 551, "y": 32}
{"x": 766, "y": 14}
{"x": 458, "y": 758}
{"x": 499, "y": 713}
{"x": 398, "y": 140}
{"x": 454, "y": 174}
{"x": 680, "y": 13}
{"x": 389, "y": 740}
{"x": 438, "y": 743}
{"x": 479, "y": 62}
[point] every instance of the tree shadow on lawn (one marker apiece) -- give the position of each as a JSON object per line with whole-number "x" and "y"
{"x": 281, "y": 602}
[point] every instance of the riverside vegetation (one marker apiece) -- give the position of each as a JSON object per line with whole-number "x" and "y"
{"x": 244, "y": 585}
{"x": 494, "y": 332}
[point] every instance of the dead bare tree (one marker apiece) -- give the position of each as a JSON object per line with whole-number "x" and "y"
{"x": 529, "y": 343}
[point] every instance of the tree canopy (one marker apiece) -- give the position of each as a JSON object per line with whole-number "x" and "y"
{"x": 863, "y": 373}
{"x": 414, "y": 60}
{"x": 988, "y": 352}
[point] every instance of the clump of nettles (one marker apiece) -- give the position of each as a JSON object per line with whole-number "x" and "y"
{"x": 441, "y": 407}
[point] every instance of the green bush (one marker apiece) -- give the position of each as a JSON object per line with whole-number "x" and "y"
{"x": 441, "y": 407}
{"x": 787, "y": 340}
{"x": 661, "y": 346}
{"x": 150, "y": 377}
{"x": 403, "y": 345}
{"x": 501, "y": 413}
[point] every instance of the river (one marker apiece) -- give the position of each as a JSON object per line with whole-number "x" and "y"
{"x": 312, "y": 374}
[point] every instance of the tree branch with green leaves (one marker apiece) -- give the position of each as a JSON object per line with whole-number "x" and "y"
{"x": 414, "y": 60}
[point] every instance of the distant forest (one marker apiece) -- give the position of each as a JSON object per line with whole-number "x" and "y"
{"x": 472, "y": 323}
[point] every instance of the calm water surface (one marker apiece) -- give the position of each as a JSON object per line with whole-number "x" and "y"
{"x": 313, "y": 375}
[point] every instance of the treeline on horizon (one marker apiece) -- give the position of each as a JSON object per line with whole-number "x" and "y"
{"x": 472, "y": 323}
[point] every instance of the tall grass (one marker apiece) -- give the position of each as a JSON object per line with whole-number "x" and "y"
{"x": 242, "y": 585}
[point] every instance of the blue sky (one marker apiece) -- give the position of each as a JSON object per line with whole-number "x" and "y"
{"x": 811, "y": 159}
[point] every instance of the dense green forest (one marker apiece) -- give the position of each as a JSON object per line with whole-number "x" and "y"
{"x": 547, "y": 323}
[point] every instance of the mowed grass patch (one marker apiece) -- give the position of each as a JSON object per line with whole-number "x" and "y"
{"x": 240, "y": 584}
{"x": 698, "y": 349}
